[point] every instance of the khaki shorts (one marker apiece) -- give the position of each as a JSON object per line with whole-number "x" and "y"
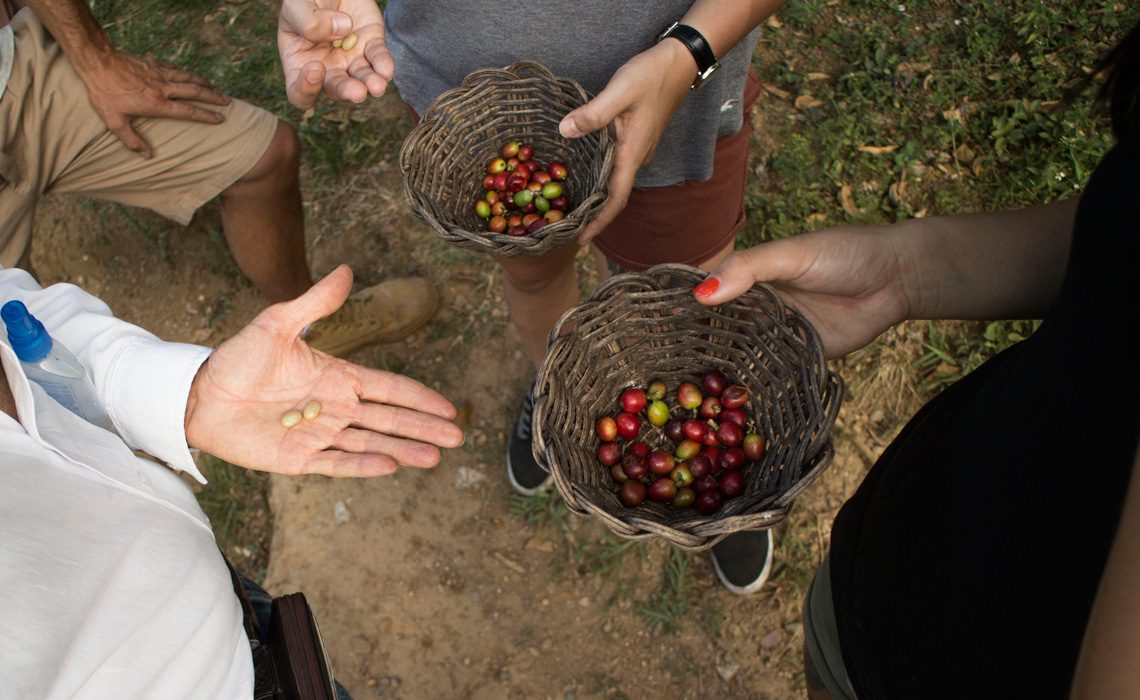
{"x": 52, "y": 140}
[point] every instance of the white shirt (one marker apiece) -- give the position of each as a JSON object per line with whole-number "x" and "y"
{"x": 111, "y": 583}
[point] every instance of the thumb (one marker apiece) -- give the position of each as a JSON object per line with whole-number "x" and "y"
{"x": 322, "y": 299}
{"x": 316, "y": 24}
{"x": 739, "y": 271}
{"x": 595, "y": 114}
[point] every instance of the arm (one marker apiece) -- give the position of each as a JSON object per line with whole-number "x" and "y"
{"x": 643, "y": 94}
{"x": 1106, "y": 667}
{"x": 854, "y": 282}
{"x": 165, "y": 397}
{"x": 305, "y": 31}
{"x": 122, "y": 86}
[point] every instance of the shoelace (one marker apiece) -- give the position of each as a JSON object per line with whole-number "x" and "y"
{"x": 522, "y": 426}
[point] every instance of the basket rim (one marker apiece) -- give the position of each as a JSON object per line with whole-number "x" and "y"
{"x": 552, "y": 235}
{"x": 696, "y": 532}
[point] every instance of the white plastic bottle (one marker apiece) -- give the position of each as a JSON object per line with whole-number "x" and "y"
{"x": 52, "y": 366}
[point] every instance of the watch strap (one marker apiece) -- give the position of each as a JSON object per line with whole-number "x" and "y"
{"x": 697, "y": 45}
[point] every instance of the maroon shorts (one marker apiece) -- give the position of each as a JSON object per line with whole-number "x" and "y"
{"x": 691, "y": 221}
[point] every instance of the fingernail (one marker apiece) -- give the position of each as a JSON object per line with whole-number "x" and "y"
{"x": 568, "y": 128}
{"x": 341, "y": 25}
{"x": 705, "y": 289}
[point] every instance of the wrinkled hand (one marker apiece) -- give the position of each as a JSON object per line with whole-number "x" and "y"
{"x": 844, "y": 280}
{"x": 639, "y": 101}
{"x": 370, "y": 423}
{"x": 125, "y": 87}
{"x": 305, "y": 31}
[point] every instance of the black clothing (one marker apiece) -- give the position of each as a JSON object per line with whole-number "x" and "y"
{"x": 966, "y": 564}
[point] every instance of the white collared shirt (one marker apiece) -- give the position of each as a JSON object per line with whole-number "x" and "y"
{"x": 111, "y": 583}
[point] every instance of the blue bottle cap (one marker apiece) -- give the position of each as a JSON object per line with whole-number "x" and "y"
{"x": 28, "y": 337}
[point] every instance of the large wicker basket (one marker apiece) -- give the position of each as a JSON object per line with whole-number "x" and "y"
{"x": 638, "y": 327}
{"x": 443, "y": 160}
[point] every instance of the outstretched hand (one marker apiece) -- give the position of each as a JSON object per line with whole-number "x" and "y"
{"x": 370, "y": 421}
{"x": 305, "y": 32}
{"x": 125, "y": 87}
{"x": 845, "y": 280}
{"x": 639, "y": 101}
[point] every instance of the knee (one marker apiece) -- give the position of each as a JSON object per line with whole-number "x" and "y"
{"x": 279, "y": 165}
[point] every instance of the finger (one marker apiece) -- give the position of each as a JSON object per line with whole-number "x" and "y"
{"x": 743, "y": 268}
{"x": 377, "y": 54}
{"x": 177, "y": 75}
{"x": 306, "y": 85}
{"x": 407, "y": 453}
{"x": 340, "y": 464}
{"x": 595, "y": 114}
{"x": 408, "y": 423}
{"x": 397, "y": 390}
{"x": 620, "y": 185}
{"x": 315, "y": 24}
{"x": 186, "y": 111}
{"x": 364, "y": 71}
{"x": 345, "y": 88}
{"x": 323, "y": 298}
{"x": 126, "y": 133}
{"x": 196, "y": 92}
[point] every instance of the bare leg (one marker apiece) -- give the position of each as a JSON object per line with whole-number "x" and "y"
{"x": 264, "y": 222}
{"x": 538, "y": 290}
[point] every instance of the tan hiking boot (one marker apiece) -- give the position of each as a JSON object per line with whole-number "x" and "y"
{"x": 382, "y": 313}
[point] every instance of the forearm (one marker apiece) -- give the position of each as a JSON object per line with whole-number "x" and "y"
{"x": 1106, "y": 668}
{"x": 71, "y": 23}
{"x": 984, "y": 266}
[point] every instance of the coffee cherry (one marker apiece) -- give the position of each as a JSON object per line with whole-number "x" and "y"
{"x": 656, "y": 390}
{"x": 658, "y": 413}
{"x": 634, "y": 467}
{"x": 685, "y": 497}
{"x": 510, "y": 149}
{"x": 662, "y": 490}
{"x": 734, "y": 396}
{"x": 729, "y": 434}
{"x": 536, "y": 225}
{"x": 606, "y": 428}
{"x": 617, "y": 474}
{"x": 714, "y": 382}
{"x": 552, "y": 190}
{"x": 687, "y": 450}
{"x": 731, "y": 484}
{"x": 705, "y": 483}
{"x": 700, "y": 466}
{"x": 483, "y": 209}
{"x": 708, "y": 502}
{"x": 609, "y": 453}
{"x": 628, "y": 425}
{"x": 489, "y": 182}
{"x": 682, "y": 474}
{"x": 497, "y": 165}
{"x": 639, "y": 448}
{"x": 497, "y": 224}
{"x": 689, "y": 396}
{"x": 732, "y": 458}
{"x": 557, "y": 170}
{"x": 632, "y": 400}
{"x": 660, "y": 462}
{"x": 710, "y": 407}
{"x": 734, "y": 415}
{"x": 694, "y": 429}
{"x": 632, "y": 493}
{"x": 526, "y": 152}
{"x": 674, "y": 430}
{"x": 754, "y": 447}
{"x": 554, "y": 215}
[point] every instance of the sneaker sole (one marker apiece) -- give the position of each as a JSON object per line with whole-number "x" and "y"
{"x": 522, "y": 490}
{"x": 382, "y": 336}
{"x": 760, "y": 580}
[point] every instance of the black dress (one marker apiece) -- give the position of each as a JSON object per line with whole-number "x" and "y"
{"x": 966, "y": 564}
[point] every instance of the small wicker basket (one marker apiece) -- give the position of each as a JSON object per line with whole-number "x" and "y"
{"x": 444, "y": 158}
{"x": 638, "y": 327}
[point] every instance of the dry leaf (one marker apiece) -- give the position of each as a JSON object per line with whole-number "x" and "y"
{"x": 774, "y": 22}
{"x": 920, "y": 214}
{"x": 964, "y": 153}
{"x": 927, "y": 81}
{"x": 953, "y": 115}
{"x": 914, "y": 67}
{"x": 200, "y": 336}
{"x": 978, "y": 166}
{"x": 775, "y": 91}
{"x": 816, "y": 218}
{"x": 805, "y": 102}
{"x": 848, "y": 201}
{"x": 878, "y": 150}
{"x": 819, "y": 76}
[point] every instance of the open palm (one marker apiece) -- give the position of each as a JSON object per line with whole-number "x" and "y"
{"x": 370, "y": 422}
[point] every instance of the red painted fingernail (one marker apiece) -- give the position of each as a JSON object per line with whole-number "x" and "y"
{"x": 706, "y": 288}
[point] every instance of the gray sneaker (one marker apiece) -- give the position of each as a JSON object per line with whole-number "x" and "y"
{"x": 523, "y": 472}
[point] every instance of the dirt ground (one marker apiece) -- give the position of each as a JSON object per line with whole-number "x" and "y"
{"x": 424, "y": 583}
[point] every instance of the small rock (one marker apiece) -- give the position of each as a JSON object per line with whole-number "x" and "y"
{"x": 727, "y": 671}
{"x": 467, "y": 478}
{"x": 540, "y": 544}
{"x": 340, "y": 513}
{"x": 771, "y": 639}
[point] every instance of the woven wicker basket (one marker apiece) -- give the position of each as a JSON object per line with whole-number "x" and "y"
{"x": 444, "y": 158}
{"x": 638, "y": 327}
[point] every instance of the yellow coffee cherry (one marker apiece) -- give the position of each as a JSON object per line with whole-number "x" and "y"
{"x": 311, "y": 410}
{"x": 349, "y": 41}
{"x": 337, "y": 43}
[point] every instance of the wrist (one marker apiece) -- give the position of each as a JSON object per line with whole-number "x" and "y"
{"x": 697, "y": 46}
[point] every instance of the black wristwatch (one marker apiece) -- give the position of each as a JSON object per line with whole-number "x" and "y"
{"x": 697, "y": 45}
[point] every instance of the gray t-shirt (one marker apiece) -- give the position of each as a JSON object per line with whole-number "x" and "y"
{"x": 436, "y": 43}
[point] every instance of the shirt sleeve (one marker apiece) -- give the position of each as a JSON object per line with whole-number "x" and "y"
{"x": 143, "y": 382}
